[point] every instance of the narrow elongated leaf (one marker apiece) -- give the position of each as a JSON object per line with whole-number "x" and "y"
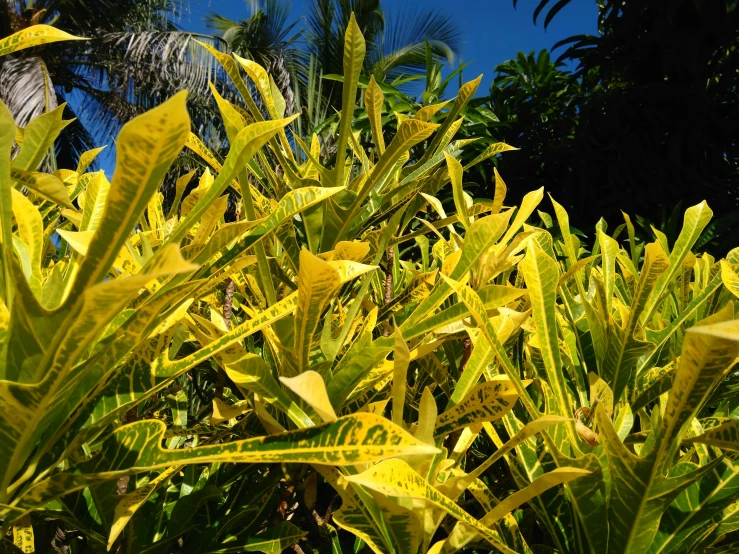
{"x": 724, "y": 436}
{"x": 318, "y": 281}
{"x": 244, "y": 147}
{"x": 461, "y": 536}
{"x": 397, "y": 478}
{"x": 410, "y": 133}
{"x": 38, "y": 136}
{"x": 359, "y": 513}
{"x": 455, "y": 174}
{"x": 146, "y": 148}
{"x": 401, "y": 361}
{"x": 46, "y": 186}
{"x": 479, "y": 238}
{"x": 31, "y": 231}
{"x": 373, "y": 100}
{"x": 34, "y": 403}
{"x": 492, "y": 296}
{"x": 500, "y": 192}
{"x": 250, "y": 373}
{"x": 542, "y": 274}
{"x": 7, "y": 136}
{"x": 487, "y": 402}
{"x": 36, "y": 35}
{"x": 697, "y": 509}
{"x": 134, "y": 448}
{"x": 87, "y": 158}
{"x": 695, "y": 220}
{"x": 273, "y": 541}
{"x": 624, "y": 349}
{"x": 354, "y": 51}
{"x": 131, "y": 502}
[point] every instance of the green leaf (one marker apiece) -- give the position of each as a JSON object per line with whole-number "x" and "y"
{"x": 724, "y": 436}
{"x": 461, "y": 536}
{"x": 46, "y": 186}
{"x": 136, "y": 447}
{"x": 373, "y": 100}
{"x": 401, "y": 361}
{"x": 624, "y": 348}
{"x": 487, "y": 402}
{"x": 696, "y": 219}
{"x": 542, "y": 275}
{"x": 251, "y": 373}
{"x": 273, "y": 541}
{"x": 697, "y": 510}
{"x": 359, "y": 513}
{"x": 318, "y": 282}
{"x": 7, "y": 137}
{"x": 354, "y": 51}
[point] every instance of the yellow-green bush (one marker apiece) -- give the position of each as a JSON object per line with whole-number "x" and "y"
{"x": 471, "y": 380}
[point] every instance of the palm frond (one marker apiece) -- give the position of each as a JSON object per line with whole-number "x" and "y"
{"x": 26, "y": 87}
{"x": 152, "y": 60}
{"x": 403, "y": 49}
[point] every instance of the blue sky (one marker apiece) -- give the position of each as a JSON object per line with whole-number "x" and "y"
{"x": 493, "y": 31}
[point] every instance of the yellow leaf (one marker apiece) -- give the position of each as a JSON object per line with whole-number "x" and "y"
{"x": 318, "y": 281}
{"x": 426, "y": 417}
{"x": 600, "y": 391}
{"x": 354, "y": 51}
{"x": 310, "y": 387}
{"x": 127, "y": 506}
{"x": 260, "y": 77}
{"x": 348, "y": 270}
{"x": 80, "y": 242}
{"x": 730, "y": 278}
{"x": 500, "y": 192}
{"x": 180, "y": 186}
{"x": 87, "y": 158}
{"x": 23, "y": 536}
{"x": 31, "y": 231}
{"x": 490, "y": 151}
{"x": 96, "y": 196}
{"x": 225, "y": 412}
{"x": 149, "y": 143}
{"x": 373, "y": 100}
{"x": 36, "y": 35}
{"x": 354, "y": 251}
{"x": 396, "y": 478}
{"x": 455, "y": 174}
{"x": 45, "y": 185}
{"x": 427, "y": 112}
{"x": 528, "y": 205}
{"x": 486, "y": 402}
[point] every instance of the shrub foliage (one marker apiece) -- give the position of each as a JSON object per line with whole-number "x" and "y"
{"x": 343, "y": 365}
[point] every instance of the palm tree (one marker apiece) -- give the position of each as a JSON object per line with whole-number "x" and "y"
{"x": 136, "y": 57}
{"x": 267, "y": 38}
{"x": 298, "y": 60}
{"x": 396, "y": 41}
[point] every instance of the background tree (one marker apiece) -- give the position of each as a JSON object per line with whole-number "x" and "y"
{"x": 646, "y": 120}
{"x": 396, "y": 41}
{"x": 136, "y": 57}
{"x": 267, "y": 38}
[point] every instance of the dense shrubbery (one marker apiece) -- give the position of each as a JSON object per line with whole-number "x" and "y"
{"x": 343, "y": 365}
